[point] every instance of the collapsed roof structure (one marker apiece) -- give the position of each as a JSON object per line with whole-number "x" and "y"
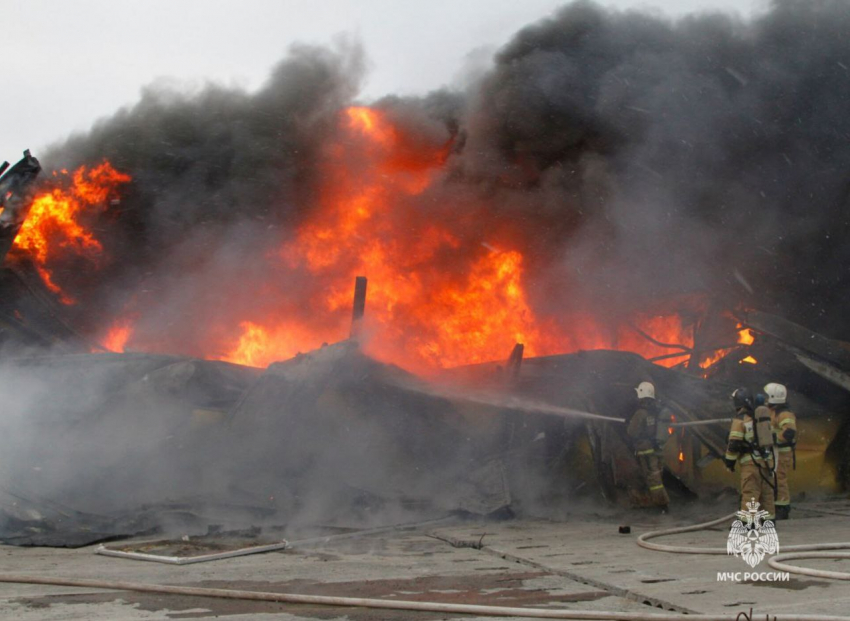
{"x": 102, "y": 445}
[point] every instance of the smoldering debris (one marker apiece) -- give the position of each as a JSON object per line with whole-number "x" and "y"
{"x": 30, "y": 323}
{"x": 181, "y": 443}
{"x": 100, "y": 445}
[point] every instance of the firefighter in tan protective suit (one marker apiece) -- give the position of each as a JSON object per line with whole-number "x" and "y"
{"x": 751, "y": 447}
{"x": 643, "y": 431}
{"x": 785, "y": 436}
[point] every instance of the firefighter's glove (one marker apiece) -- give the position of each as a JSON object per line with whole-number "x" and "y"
{"x": 730, "y": 464}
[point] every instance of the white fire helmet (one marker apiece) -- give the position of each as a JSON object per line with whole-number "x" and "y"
{"x": 645, "y": 390}
{"x": 776, "y": 393}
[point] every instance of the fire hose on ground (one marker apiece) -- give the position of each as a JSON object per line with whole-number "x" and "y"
{"x": 816, "y": 551}
{"x": 419, "y": 606}
{"x": 797, "y": 552}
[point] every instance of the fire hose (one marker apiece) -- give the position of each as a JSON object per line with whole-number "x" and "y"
{"x": 698, "y": 423}
{"x": 420, "y": 606}
{"x": 778, "y": 561}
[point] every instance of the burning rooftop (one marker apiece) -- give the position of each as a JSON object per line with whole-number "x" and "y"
{"x": 575, "y": 192}
{"x": 442, "y": 294}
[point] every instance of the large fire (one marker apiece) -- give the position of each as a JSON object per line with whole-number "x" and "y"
{"x": 422, "y": 312}
{"x": 55, "y": 224}
{"x": 436, "y": 298}
{"x": 442, "y": 292}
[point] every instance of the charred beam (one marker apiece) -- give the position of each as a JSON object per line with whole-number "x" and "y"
{"x": 655, "y": 341}
{"x": 797, "y": 336}
{"x": 705, "y": 333}
{"x": 15, "y": 186}
{"x": 828, "y": 371}
{"x": 359, "y": 307}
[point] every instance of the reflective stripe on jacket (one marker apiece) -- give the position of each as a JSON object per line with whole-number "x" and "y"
{"x": 784, "y": 420}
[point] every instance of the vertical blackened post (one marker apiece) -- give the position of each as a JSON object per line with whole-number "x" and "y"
{"x": 515, "y": 360}
{"x": 359, "y": 305}
{"x": 706, "y": 332}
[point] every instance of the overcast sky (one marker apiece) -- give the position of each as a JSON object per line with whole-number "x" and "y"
{"x": 66, "y": 64}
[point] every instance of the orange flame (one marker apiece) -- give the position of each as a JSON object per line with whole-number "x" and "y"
{"x": 55, "y": 223}
{"x": 745, "y": 336}
{"x": 714, "y": 358}
{"x": 259, "y": 346}
{"x": 427, "y": 317}
{"x": 436, "y": 299}
{"x": 118, "y": 336}
{"x": 252, "y": 346}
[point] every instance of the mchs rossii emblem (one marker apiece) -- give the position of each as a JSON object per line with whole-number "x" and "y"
{"x": 751, "y": 536}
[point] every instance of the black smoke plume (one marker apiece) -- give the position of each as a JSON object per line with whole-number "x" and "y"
{"x": 638, "y": 157}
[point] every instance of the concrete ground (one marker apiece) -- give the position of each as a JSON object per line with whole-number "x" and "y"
{"x": 581, "y": 562}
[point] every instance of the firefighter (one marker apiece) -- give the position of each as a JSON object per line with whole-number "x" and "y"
{"x": 643, "y": 431}
{"x": 785, "y": 435}
{"x": 751, "y": 447}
